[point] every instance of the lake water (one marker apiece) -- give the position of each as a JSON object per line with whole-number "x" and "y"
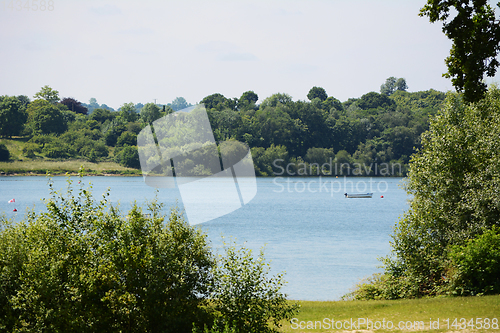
{"x": 324, "y": 242}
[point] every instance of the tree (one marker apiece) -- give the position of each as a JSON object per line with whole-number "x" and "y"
{"x": 214, "y": 101}
{"x": 475, "y": 36}
{"x": 389, "y": 86}
{"x": 128, "y": 112}
{"x": 317, "y": 92}
{"x": 150, "y": 112}
{"x": 247, "y": 98}
{"x": 45, "y": 118}
{"x": 12, "y": 116}
{"x": 453, "y": 181}
{"x": 48, "y": 94}
{"x": 74, "y": 105}
{"x": 373, "y": 100}
{"x": 127, "y": 138}
{"x": 401, "y": 84}
{"x": 179, "y": 103}
{"x": 101, "y": 115}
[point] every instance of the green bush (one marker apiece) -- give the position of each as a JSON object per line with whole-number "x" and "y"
{"x": 81, "y": 267}
{"x": 30, "y": 149}
{"x": 474, "y": 268}
{"x": 128, "y": 156}
{"x": 245, "y": 296}
{"x": 4, "y": 153}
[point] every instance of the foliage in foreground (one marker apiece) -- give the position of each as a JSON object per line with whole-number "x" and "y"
{"x": 447, "y": 242}
{"x": 81, "y": 266}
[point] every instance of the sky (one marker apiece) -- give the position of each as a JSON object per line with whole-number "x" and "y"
{"x": 146, "y": 51}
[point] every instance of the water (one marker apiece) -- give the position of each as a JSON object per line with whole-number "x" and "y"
{"x": 324, "y": 242}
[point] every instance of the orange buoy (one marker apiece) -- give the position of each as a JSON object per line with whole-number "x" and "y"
{"x": 15, "y": 210}
{"x": 382, "y": 196}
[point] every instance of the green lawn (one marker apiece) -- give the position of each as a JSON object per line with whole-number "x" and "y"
{"x": 416, "y": 314}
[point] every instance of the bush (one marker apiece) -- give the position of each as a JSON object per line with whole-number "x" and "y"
{"x": 83, "y": 267}
{"x": 30, "y": 149}
{"x": 128, "y": 156}
{"x": 4, "y": 153}
{"x": 245, "y": 296}
{"x": 474, "y": 268}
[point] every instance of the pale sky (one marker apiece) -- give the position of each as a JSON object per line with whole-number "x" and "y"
{"x": 138, "y": 51}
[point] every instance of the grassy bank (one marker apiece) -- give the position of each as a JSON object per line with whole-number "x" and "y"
{"x": 22, "y": 165}
{"x": 416, "y": 314}
{"x": 40, "y": 167}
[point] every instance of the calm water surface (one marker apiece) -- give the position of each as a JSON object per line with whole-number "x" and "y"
{"x": 324, "y": 242}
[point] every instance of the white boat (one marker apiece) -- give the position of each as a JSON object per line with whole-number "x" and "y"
{"x": 358, "y": 195}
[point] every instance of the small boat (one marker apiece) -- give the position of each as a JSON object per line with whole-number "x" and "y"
{"x": 358, "y": 195}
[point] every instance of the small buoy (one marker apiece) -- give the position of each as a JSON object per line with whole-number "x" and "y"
{"x": 382, "y": 196}
{"x": 15, "y": 210}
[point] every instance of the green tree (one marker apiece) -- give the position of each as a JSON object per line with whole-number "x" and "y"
{"x": 247, "y": 99}
{"x": 317, "y": 92}
{"x": 475, "y": 35}
{"x": 45, "y": 118}
{"x": 128, "y": 112}
{"x": 214, "y": 101}
{"x": 453, "y": 181}
{"x": 48, "y": 94}
{"x": 179, "y": 103}
{"x": 150, "y": 112}
{"x": 12, "y": 116}
{"x": 401, "y": 84}
{"x": 127, "y": 138}
{"x": 389, "y": 86}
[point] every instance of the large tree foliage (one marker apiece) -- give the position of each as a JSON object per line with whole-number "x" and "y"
{"x": 317, "y": 92}
{"x": 12, "y": 116}
{"x": 44, "y": 118}
{"x": 475, "y": 36}
{"x": 48, "y": 94}
{"x": 150, "y": 112}
{"x": 453, "y": 181}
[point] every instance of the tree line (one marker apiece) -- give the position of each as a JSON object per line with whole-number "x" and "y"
{"x": 376, "y": 128}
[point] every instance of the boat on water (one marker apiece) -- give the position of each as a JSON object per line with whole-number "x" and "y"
{"x": 358, "y": 195}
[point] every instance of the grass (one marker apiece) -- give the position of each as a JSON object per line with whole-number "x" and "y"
{"x": 40, "y": 167}
{"x": 410, "y": 312}
{"x": 22, "y": 165}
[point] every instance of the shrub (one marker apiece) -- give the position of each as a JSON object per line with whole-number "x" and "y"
{"x": 82, "y": 267}
{"x": 245, "y": 296}
{"x": 474, "y": 268}
{"x": 30, "y": 149}
{"x": 128, "y": 156}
